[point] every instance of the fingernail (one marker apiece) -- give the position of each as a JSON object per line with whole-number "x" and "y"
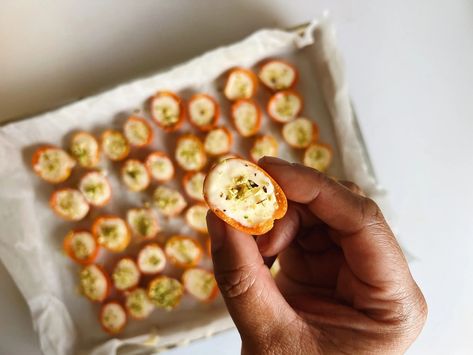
{"x": 272, "y": 161}
{"x": 217, "y": 231}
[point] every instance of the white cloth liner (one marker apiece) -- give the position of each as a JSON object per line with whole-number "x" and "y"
{"x": 30, "y": 236}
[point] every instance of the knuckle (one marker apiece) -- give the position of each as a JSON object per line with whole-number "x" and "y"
{"x": 352, "y": 187}
{"x": 370, "y": 211}
{"x": 373, "y": 219}
{"x": 236, "y": 282}
{"x": 423, "y": 308}
{"x": 410, "y": 309}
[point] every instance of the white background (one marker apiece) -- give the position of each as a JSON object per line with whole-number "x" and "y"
{"x": 410, "y": 68}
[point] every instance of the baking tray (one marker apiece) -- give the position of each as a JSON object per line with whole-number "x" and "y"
{"x": 31, "y": 236}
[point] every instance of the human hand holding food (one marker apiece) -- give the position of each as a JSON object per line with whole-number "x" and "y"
{"x": 344, "y": 284}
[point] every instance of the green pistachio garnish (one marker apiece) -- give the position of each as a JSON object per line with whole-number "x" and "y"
{"x": 88, "y": 282}
{"x": 165, "y": 293}
{"x": 143, "y": 225}
{"x": 168, "y": 117}
{"x": 284, "y": 107}
{"x": 92, "y": 190}
{"x": 186, "y": 249}
{"x": 302, "y": 136}
{"x": 81, "y": 153}
{"x": 242, "y": 188}
{"x": 52, "y": 160}
{"x": 80, "y": 249}
{"x": 190, "y": 154}
{"x": 108, "y": 233}
{"x": 123, "y": 276}
{"x": 316, "y": 154}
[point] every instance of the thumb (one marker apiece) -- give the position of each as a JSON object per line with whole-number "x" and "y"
{"x": 250, "y": 293}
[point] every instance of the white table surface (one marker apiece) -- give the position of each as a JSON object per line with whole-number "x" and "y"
{"x": 410, "y": 68}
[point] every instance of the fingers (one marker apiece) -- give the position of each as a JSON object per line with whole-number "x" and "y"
{"x": 334, "y": 204}
{"x": 318, "y": 239}
{"x": 285, "y": 230}
{"x": 315, "y": 269}
{"x": 251, "y": 296}
{"x": 369, "y": 246}
{"x": 300, "y": 222}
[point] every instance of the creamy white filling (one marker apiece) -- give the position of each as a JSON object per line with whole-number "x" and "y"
{"x": 264, "y": 146}
{"x": 84, "y": 148}
{"x": 202, "y": 110}
{"x": 54, "y": 165}
{"x": 125, "y": 274}
{"x": 298, "y": 133}
{"x": 239, "y": 86}
{"x": 112, "y": 233}
{"x": 93, "y": 282}
{"x": 113, "y": 317}
{"x": 217, "y": 142}
{"x": 83, "y": 245}
{"x": 138, "y": 303}
{"x": 196, "y": 217}
{"x": 95, "y": 188}
{"x": 135, "y": 175}
{"x": 160, "y": 167}
{"x": 115, "y": 145}
{"x": 277, "y": 75}
{"x": 199, "y": 283}
{"x": 242, "y": 192}
{"x": 166, "y": 110}
{"x": 195, "y": 186}
{"x": 246, "y": 118}
{"x": 317, "y": 157}
{"x": 183, "y": 250}
{"x": 285, "y": 106}
{"x": 151, "y": 259}
{"x": 137, "y": 132}
{"x": 142, "y": 222}
{"x": 190, "y": 154}
{"x": 168, "y": 201}
{"x": 71, "y": 204}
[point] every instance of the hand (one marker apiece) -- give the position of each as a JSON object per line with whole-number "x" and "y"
{"x": 344, "y": 285}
